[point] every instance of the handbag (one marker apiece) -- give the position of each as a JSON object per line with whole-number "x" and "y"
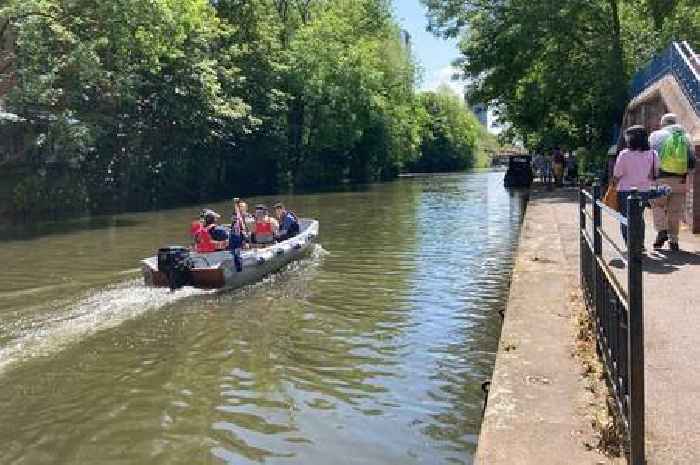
{"x": 610, "y": 197}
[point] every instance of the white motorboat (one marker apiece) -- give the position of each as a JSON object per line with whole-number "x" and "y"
{"x": 175, "y": 266}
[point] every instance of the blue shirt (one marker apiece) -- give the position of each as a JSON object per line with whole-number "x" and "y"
{"x": 287, "y": 222}
{"x": 218, "y": 233}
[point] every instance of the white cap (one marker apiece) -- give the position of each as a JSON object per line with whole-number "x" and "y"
{"x": 668, "y": 119}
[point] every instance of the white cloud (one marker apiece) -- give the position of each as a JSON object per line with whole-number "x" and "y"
{"x": 443, "y": 76}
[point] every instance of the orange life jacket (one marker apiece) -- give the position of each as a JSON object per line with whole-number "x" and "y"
{"x": 204, "y": 242}
{"x": 263, "y": 232}
{"x": 195, "y": 227}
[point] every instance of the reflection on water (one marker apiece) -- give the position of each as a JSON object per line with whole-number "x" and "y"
{"x": 372, "y": 351}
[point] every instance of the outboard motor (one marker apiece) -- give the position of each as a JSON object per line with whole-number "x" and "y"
{"x": 175, "y": 263}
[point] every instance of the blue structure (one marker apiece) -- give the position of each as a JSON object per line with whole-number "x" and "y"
{"x": 677, "y": 59}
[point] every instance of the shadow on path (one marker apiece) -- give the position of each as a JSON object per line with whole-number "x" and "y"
{"x": 664, "y": 261}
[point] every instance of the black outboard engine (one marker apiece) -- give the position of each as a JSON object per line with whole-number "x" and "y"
{"x": 176, "y": 264}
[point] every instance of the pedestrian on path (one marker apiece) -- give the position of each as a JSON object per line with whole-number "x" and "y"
{"x": 676, "y": 156}
{"x": 558, "y": 166}
{"x": 635, "y": 168}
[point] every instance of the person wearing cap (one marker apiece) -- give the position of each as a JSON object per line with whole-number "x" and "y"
{"x": 210, "y": 237}
{"x": 265, "y": 227}
{"x": 676, "y": 156}
{"x": 288, "y": 222}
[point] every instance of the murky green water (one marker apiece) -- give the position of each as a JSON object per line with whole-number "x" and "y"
{"x": 372, "y": 351}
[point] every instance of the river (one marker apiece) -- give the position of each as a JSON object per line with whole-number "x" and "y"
{"x": 370, "y": 351}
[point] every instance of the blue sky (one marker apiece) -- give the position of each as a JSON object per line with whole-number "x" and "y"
{"x": 435, "y": 55}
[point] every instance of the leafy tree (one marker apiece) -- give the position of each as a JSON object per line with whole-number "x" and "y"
{"x": 131, "y": 104}
{"x": 450, "y": 133}
{"x": 559, "y": 71}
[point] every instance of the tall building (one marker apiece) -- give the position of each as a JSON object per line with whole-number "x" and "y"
{"x": 405, "y": 38}
{"x": 481, "y": 112}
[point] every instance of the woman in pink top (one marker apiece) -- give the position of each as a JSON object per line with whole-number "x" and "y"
{"x": 635, "y": 168}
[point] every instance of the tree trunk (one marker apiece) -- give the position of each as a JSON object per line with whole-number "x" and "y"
{"x": 619, "y": 77}
{"x": 295, "y": 134}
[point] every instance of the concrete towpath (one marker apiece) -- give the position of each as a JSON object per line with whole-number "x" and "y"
{"x": 538, "y": 424}
{"x": 671, "y": 283}
{"x": 539, "y": 407}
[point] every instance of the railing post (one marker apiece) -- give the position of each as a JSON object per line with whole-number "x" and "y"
{"x": 581, "y": 231}
{"x": 581, "y": 210}
{"x": 635, "y": 334}
{"x": 597, "y": 251}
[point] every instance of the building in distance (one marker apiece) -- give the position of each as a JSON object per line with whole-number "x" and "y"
{"x": 405, "y": 38}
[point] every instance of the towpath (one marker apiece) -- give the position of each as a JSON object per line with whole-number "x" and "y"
{"x": 671, "y": 283}
{"x": 548, "y": 427}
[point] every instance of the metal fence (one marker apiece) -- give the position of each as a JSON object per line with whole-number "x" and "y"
{"x": 617, "y": 313}
{"x": 677, "y": 59}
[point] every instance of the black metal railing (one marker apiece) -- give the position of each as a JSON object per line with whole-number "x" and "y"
{"x": 617, "y": 314}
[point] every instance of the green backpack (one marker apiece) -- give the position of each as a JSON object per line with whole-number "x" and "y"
{"x": 674, "y": 154}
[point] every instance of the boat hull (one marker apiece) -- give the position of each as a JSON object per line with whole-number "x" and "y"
{"x": 217, "y": 270}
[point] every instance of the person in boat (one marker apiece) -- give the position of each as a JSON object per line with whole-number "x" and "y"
{"x": 210, "y": 237}
{"x": 195, "y": 226}
{"x": 265, "y": 227}
{"x": 238, "y": 237}
{"x": 248, "y": 219}
{"x": 288, "y": 222}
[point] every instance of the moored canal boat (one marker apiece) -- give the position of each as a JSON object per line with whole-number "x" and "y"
{"x": 176, "y": 266}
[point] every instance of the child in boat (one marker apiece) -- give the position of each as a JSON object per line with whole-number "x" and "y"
{"x": 210, "y": 236}
{"x": 266, "y": 227}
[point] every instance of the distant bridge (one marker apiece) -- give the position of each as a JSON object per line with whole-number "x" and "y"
{"x": 501, "y": 157}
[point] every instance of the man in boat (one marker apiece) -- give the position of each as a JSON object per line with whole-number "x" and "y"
{"x": 210, "y": 237}
{"x": 265, "y": 227}
{"x": 288, "y": 222}
{"x": 248, "y": 219}
{"x": 240, "y": 231}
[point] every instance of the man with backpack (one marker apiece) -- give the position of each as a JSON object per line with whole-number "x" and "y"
{"x": 675, "y": 151}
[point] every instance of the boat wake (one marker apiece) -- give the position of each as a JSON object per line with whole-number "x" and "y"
{"x": 96, "y": 311}
{"x": 68, "y": 322}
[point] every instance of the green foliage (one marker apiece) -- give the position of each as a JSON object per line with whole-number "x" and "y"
{"x": 155, "y": 103}
{"x": 450, "y": 134}
{"x": 488, "y": 146}
{"x": 559, "y": 71}
{"x": 683, "y": 23}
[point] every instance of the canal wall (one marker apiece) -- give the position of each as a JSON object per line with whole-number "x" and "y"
{"x": 538, "y": 409}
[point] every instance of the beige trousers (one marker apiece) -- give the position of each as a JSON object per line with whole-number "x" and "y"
{"x": 668, "y": 211}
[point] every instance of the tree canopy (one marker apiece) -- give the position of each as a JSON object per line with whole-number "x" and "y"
{"x": 450, "y": 134}
{"x": 129, "y": 104}
{"x": 558, "y": 71}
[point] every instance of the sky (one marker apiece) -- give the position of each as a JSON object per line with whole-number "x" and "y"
{"x": 435, "y": 55}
